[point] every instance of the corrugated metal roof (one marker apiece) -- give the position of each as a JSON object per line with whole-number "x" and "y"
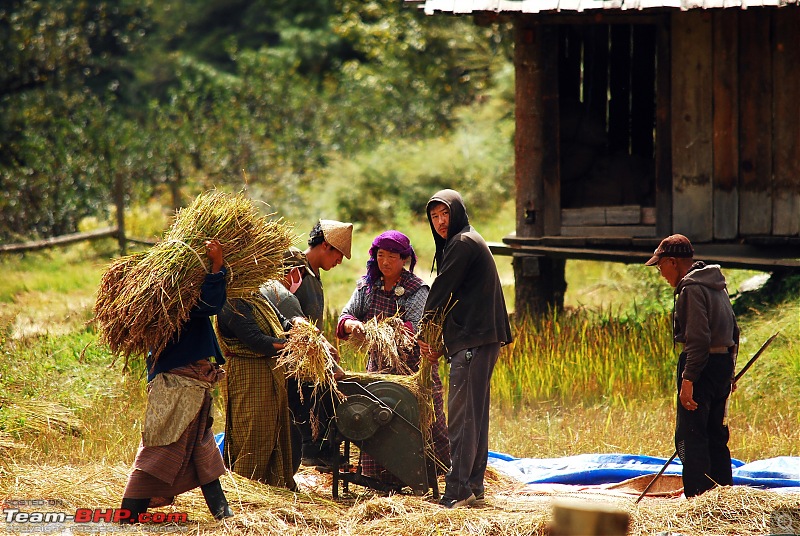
{"x": 462, "y": 7}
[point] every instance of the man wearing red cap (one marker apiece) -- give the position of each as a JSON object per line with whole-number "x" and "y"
{"x": 704, "y": 323}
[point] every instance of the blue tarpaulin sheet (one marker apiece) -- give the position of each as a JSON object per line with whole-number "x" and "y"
{"x": 591, "y": 469}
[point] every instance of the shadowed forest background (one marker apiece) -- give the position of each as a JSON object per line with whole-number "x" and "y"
{"x": 348, "y": 108}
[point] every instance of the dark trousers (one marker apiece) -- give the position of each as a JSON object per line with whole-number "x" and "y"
{"x": 468, "y": 419}
{"x": 304, "y": 442}
{"x": 701, "y": 438}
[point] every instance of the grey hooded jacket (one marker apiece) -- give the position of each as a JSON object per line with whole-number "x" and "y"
{"x": 466, "y": 276}
{"x": 703, "y": 316}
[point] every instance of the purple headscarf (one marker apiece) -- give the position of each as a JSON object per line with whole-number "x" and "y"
{"x": 393, "y": 241}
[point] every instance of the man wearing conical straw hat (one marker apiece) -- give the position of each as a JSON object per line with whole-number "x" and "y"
{"x": 476, "y": 326}
{"x": 328, "y": 243}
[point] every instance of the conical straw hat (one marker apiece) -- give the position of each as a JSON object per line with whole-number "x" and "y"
{"x": 338, "y": 234}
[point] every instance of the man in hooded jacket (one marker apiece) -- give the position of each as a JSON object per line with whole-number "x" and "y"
{"x": 476, "y": 326}
{"x": 704, "y": 323}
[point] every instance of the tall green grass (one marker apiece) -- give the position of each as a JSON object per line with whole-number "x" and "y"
{"x": 561, "y": 357}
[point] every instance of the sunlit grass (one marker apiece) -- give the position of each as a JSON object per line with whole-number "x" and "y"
{"x": 561, "y": 357}
{"x": 594, "y": 378}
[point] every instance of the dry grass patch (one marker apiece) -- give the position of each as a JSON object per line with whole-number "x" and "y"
{"x": 509, "y": 510}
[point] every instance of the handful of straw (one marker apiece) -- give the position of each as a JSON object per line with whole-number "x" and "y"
{"x": 431, "y": 326}
{"x": 388, "y": 342}
{"x": 144, "y": 299}
{"x": 430, "y": 331}
{"x": 307, "y": 357}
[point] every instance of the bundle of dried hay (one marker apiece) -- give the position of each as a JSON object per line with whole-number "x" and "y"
{"x": 144, "y": 299}
{"x": 42, "y": 416}
{"x": 307, "y": 357}
{"x": 388, "y": 342}
{"x": 7, "y": 442}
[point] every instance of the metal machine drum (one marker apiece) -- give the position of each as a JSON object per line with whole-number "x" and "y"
{"x": 382, "y": 419}
{"x": 398, "y": 398}
{"x": 356, "y": 417}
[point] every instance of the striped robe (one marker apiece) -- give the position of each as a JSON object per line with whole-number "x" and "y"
{"x": 257, "y": 425}
{"x": 160, "y": 473}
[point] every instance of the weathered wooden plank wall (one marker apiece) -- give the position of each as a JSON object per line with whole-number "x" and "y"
{"x": 619, "y": 89}
{"x": 570, "y": 44}
{"x": 786, "y": 74}
{"x": 692, "y": 162}
{"x": 663, "y": 133}
{"x": 551, "y": 211}
{"x": 727, "y": 116}
{"x": 755, "y": 123}
{"x": 596, "y": 73}
{"x": 726, "y": 124}
{"x": 538, "y": 205}
{"x": 643, "y": 90}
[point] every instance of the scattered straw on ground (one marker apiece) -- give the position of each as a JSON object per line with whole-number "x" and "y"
{"x": 42, "y": 416}
{"x": 509, "y": 511}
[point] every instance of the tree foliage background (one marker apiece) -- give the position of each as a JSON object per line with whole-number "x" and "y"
{"x": 308, "y": 102}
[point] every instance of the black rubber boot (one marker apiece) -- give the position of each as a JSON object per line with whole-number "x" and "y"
{"x": 136, "y": 507}
{"x": 215, "y": 499}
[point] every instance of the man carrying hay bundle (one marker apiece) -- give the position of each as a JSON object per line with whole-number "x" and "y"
{"x": 158, "y": 305}
{"x": 328, "y": 242}
{"x": 178, "y": 452}
{"x": 704, "y": 323}
{"x": 476, "y": 326}
{"x": 389, "y": 290}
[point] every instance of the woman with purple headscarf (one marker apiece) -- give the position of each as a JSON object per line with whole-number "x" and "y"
{"x": 388, "y": 289}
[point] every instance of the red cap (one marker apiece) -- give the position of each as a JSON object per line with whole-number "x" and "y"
{"x": 676, "y": 246}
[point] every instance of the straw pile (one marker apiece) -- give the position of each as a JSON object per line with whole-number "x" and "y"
{"x": 263, "y": 510}
{"x": 728, "y": 510}
{"x": 144, "y": 299}
{"x": 42, "y": 416}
